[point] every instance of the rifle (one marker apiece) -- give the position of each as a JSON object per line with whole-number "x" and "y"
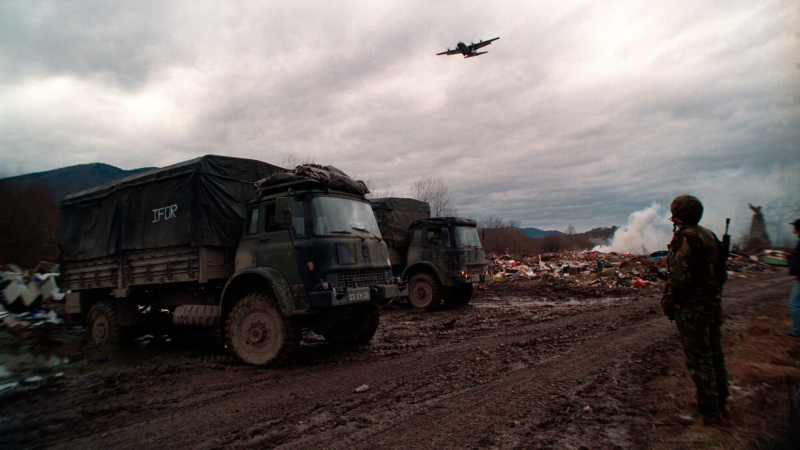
{"x": 724, "y": 252}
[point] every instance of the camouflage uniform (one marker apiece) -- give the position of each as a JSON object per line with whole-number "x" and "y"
{"x": 692, "y": 298}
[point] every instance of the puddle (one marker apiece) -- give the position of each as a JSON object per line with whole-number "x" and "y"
{"x": 14, "y": 363}
{"x": 67, "y": 352}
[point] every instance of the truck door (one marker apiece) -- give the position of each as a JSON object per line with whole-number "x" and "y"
{"x": 246, "y": 254}
{"x": 276, "y": 248}
{"x": 433, "y": 249}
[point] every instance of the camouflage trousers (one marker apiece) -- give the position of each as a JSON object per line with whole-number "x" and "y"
{"x": 702, "y": 345}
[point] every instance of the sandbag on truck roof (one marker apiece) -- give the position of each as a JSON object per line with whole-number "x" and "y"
{"x": 200, "y": 202}
{"x": 328, "y": 176}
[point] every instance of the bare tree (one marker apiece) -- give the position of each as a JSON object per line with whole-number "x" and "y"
{"x": 498, "y": 222}
{"x": 570, "y": 230}
{"x": 435, "y": 193}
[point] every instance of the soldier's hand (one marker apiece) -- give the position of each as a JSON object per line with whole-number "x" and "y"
{"x": 667, "y": 306}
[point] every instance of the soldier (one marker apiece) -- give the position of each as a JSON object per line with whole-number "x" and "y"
{"x": 794, "y": 297}
{"x": 692, "y": 298}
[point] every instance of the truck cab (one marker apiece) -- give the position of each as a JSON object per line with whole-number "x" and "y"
{"x": 319, "y": 255}
{"x": 444, "y": 260}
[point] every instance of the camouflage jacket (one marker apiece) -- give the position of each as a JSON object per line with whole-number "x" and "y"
{"x": 693, "y": 260}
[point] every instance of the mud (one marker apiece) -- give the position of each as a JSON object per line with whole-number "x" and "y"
{"x": 526, "y": 365}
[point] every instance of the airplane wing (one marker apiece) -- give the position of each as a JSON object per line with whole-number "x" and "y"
{"x": 475, "y": 54}
{"x": 483, "y": 43}
{"x": 450, "y": 52}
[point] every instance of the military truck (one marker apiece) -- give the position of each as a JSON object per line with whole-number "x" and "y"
{"x": 257, "y": 252}
{"x": 440, "y": 257}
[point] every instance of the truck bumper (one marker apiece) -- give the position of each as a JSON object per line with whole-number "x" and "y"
{"x": 379, "y": 294}
{"x": 475, "y": 278}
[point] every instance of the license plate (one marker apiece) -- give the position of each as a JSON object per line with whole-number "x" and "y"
{"x": 358, "y": 296}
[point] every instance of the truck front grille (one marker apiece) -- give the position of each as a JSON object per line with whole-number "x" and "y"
{"x": 362, "y": 279}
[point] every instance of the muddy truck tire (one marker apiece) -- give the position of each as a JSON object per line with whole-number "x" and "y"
{"x": 102, "y": 326}
{"x": 259, "y": 334}
{"x": 424, "y": 291}
{"x": 358, "y": 328}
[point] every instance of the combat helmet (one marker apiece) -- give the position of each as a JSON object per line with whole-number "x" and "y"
{"x": 687, "y": 208}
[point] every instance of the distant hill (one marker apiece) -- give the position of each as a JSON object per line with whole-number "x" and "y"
{"x": 29, "y": 214}
{"x": 600, "y": 236}
{"x": 68, "y": 180}
{"x": 537, "y": 233}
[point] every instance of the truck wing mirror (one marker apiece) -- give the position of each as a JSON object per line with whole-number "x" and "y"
{"x": 445, "y": 236}
{"x": 284, "y": 215}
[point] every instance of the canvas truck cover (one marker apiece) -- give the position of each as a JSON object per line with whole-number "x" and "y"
{"x": 200, "y": 202}
{"x": 395, "y": 215}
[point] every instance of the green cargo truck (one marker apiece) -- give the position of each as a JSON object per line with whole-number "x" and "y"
{"x": 257, "y": 252}
{"x": 441, "y": 258}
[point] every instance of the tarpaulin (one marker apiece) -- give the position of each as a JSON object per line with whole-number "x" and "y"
{"x": 197, "y": 202}
{"x": 395, "y": 215}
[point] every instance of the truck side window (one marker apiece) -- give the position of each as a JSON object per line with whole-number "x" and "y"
{"x": 432, "y": 236}
{"x": 299, "y": 219}
{"x": 417, "y": 237}
{"x": 252, "y": 221}
{"x": 269, "y": 223}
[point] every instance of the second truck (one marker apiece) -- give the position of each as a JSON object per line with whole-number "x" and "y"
{"x": 441, "y": 258}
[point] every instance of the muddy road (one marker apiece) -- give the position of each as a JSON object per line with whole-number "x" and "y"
{"x": 523, "y": 366}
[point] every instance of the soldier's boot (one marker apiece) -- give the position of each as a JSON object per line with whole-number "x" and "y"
{"x": 709, "y": 416}
{"x": 692, "y": 417}
{"x": 722, "y": 409}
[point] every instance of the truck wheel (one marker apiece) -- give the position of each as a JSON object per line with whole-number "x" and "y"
{"x": 424, "y": 291}
{"x": 459, "y": 296}
{"x": 359, "y": 327}
{"x": 197, "y": 315}
{"x": 258, "y": 334}
{"x": 102, "y": 327}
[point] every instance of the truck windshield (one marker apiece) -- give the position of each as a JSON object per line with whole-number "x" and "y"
{"x": 467, "y": 237}
{"x": 337, "y": 216}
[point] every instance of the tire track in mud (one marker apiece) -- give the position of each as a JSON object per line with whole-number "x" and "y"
{"x": 477, "y": 424}
{"x": 462, "y": 415}
{"x": 234, "y": 390}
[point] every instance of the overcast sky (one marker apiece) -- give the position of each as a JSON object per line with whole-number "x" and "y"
{"x": 582, "y": 113}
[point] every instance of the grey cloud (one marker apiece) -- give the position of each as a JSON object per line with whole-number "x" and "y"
{"x": 581, "y": 113}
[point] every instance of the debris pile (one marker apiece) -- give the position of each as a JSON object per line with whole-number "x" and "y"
{"x": 590, "y": 268}
{"x": 767, "y": 261}
{"x": 583, "y": 267}
{"x": 29, "y": 298}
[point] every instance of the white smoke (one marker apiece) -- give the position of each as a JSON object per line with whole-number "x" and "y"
{"x": 647, "y": 231}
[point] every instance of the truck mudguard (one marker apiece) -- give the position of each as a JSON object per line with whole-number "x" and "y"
{"x": 424, "y": 266}
{"x": 280, "y": 287}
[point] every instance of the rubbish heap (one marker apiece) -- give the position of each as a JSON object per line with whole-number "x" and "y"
{"x": 583, "y": 267}
{"x": 740, "y": 265}
{"x": 590, "y": 268}
{"x": 29, "y": 298}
